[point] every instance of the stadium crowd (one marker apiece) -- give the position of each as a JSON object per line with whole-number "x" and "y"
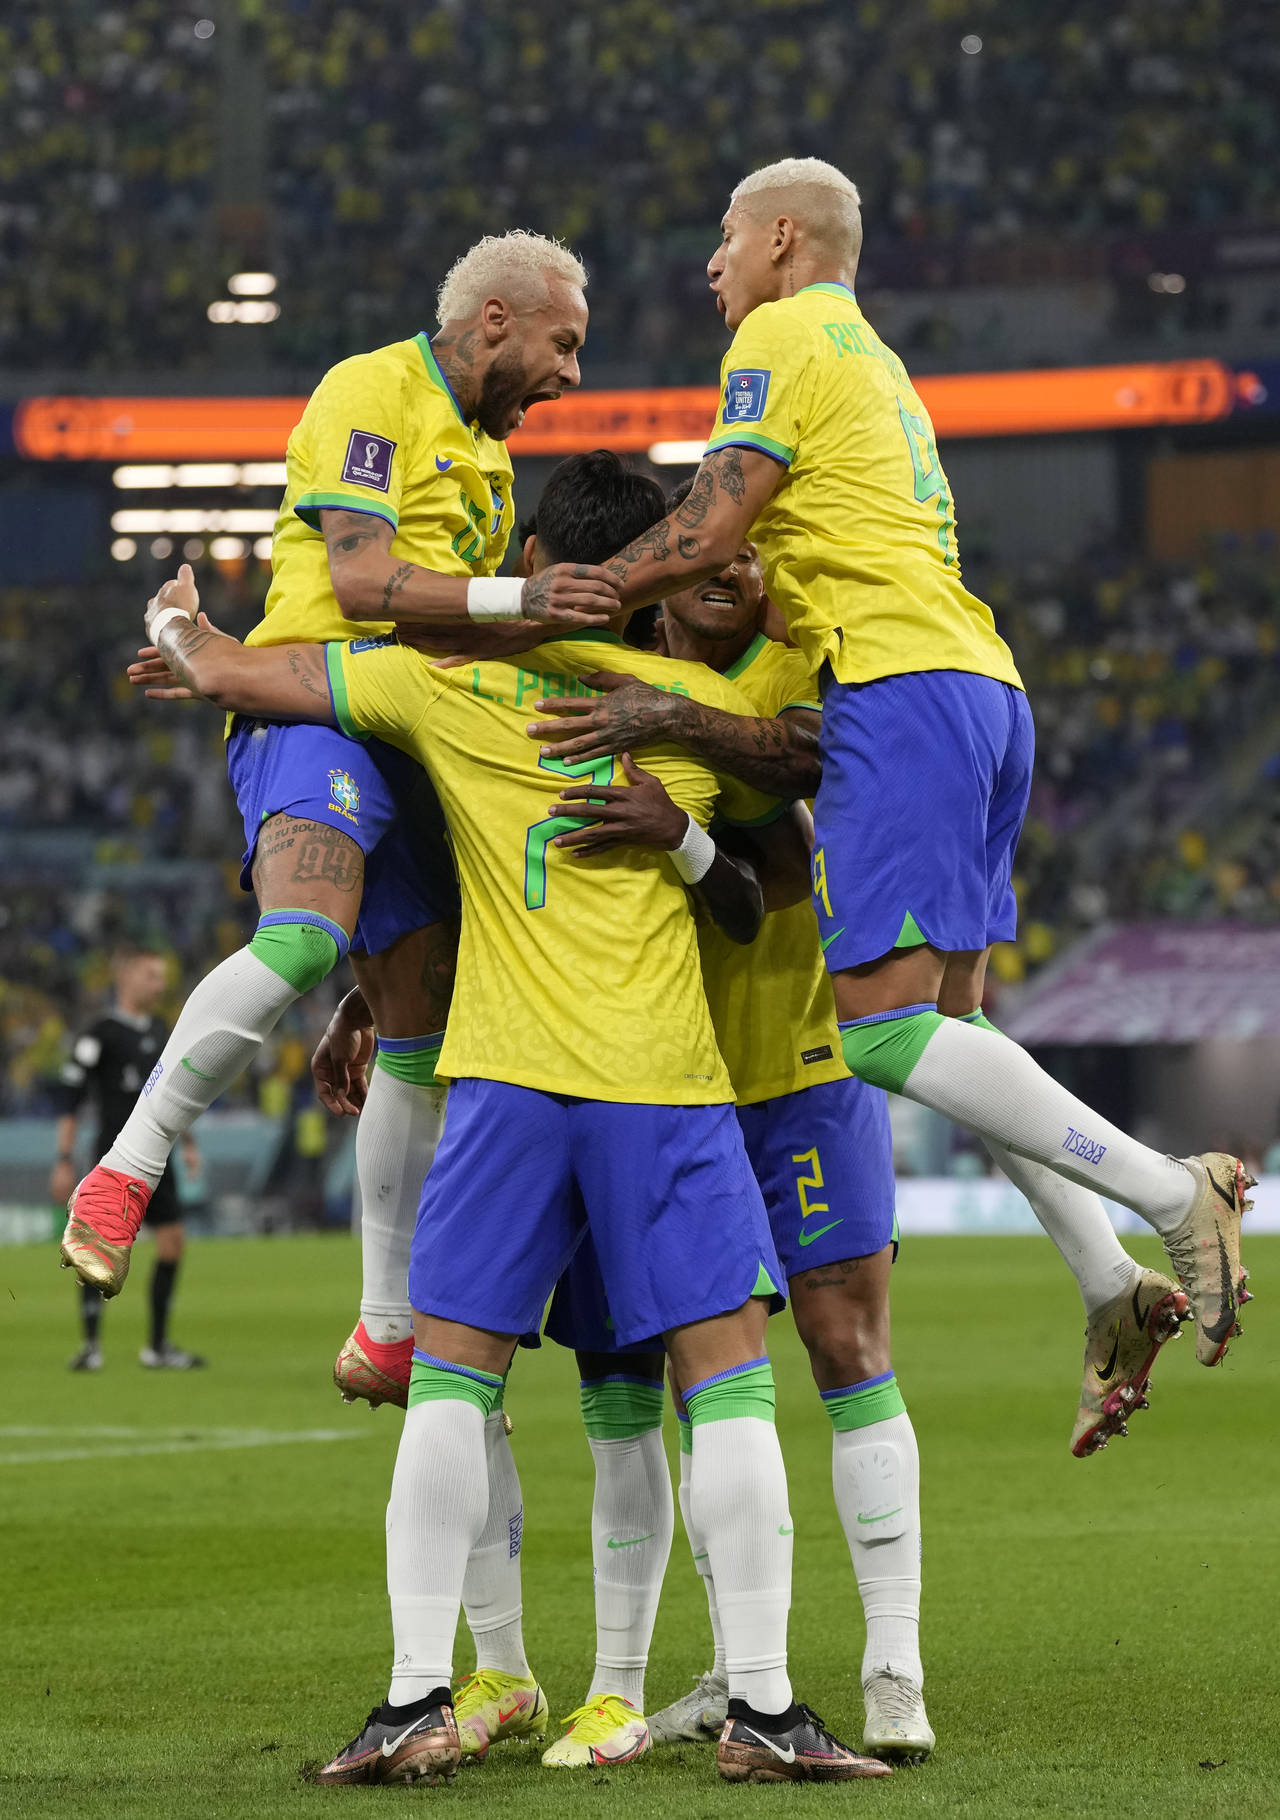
{"x": 1140, "y": 677}
{"x": 622, "y": 130}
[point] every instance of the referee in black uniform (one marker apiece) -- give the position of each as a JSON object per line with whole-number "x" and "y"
{"x": 109, "y": 1063}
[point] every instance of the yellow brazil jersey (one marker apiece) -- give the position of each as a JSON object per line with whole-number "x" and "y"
{"x": 575, "y": 976}
{"x": 859, "y": 541}
{"x": 771, "y": 1000}
{"x": 382, "y": 433}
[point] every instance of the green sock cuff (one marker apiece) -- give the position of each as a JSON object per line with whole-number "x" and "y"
{"x": 747, "y": 1390}
{"x": 684, "y": 1428}
{"x": 862, "y": 1404}
{"x": 300, "y": 945}
{"x": 410, "y": 1058}
{"x": 433, "y": 1379}
{"x": 883, "y": 1049}
{"x": 980, "y": 1021}
{"x": 620, "y": 1408}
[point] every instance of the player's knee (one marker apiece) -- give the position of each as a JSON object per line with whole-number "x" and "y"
{"x": 884, "y": 1048}
{"x": 849, "y": 1349}
{"x": 301, "y": 946}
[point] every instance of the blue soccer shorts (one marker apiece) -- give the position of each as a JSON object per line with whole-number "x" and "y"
{"x": 520, "y": 1176}
{"x": 824, "y": 1160}
{"x": 925, "y": 782}
{"x": 377, "y": 796}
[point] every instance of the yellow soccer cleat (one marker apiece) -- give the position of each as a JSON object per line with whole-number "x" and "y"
{"x": 1121, "y": 1344}
{"x": 491, "y": 1707}
{"x": 1205, "y": 1250}
{"x": 607, "y": 1730}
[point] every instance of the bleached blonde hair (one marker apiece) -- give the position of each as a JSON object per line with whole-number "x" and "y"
{"x": 828, "y": 202}
{"x": 517, "y": 267}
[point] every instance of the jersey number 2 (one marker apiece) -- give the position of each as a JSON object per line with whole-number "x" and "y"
{"x": 539, "y": 836}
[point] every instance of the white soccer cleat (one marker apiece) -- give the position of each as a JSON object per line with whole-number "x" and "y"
{"x": 696, "y": 1717}
{"x": 897, "y": 1728}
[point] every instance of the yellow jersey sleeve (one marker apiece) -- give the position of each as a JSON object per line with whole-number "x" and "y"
{"x": 773, "y": 678}
{"x": 765, "y": 381}
{"x": 350, "y": 444}
{"x": 381, "y": 688}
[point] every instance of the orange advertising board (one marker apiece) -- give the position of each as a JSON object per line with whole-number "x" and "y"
{"x": 961, "y": 404}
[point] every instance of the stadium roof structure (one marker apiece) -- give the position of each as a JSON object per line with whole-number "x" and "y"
{"x": 1154, "y": 982}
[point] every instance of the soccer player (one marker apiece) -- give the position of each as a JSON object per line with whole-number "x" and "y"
{"x": 821, "y": 1149}
{"x": 398, "y": 508}
{"x": 586, "y": 1091}
{"x": 108, "y": 1063}
{"x": 824, "y": 452}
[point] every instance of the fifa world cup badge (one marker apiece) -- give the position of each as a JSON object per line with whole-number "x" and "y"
{"x": 345, "y": 792}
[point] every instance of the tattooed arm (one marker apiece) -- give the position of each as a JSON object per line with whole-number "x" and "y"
{"x": 369, "y": 583}
{"x": 282, "y": 682}
{"x": 730, "y": 490}
{"x": 778, "y": 756}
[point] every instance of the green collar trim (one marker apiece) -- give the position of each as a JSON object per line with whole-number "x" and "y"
{"x": 833, "y": 287}
{"x": 434, "y": 372}
{"x": 748, "y": 657}
{"x": 588, "y": 632}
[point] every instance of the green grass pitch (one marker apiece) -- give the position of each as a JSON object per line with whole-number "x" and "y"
{"x": 185, "y": 1628}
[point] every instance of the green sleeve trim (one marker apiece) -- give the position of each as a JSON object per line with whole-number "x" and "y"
{"x": 338, "y": 692}
{"x": 812, "y": 707}
{"x": 750, "y": 439}
{"x": 309, "y": 507}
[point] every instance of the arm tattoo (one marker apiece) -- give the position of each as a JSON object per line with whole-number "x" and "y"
{"x": 303, "y": 663}
{"x": 719, "y": 473}
{"x": 728, "y": 470}
{"x": 779, "y": 757}
{"x": 395, "y": 582}
{"x": 180, "y": 641}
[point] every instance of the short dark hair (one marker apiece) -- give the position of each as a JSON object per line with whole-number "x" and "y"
{"x": 592, "y": 506}
{"x": 680, "y": 492}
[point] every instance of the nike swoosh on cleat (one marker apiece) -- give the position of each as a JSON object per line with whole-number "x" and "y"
{"x": 1107, "y": 1372}
{"x": 807, "y": 1238}
{"x": 391, "y": 1745}
{"x": 828, "y": 939}
{"x": 614, "y": 1542}
{"x": 882, "y": 1518}
{"x": 1228, "y": 1196}
{"x": 783, "y": 1756}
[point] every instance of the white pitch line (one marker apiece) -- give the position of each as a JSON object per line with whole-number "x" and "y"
{"x": 180, "y": 1440}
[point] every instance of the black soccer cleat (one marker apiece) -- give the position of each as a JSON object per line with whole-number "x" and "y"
{"x": 393, "y": 1748}
{"x": 794, "y": 1746}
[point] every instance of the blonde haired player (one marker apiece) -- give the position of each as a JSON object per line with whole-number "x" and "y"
{"x": 823, "y": 451}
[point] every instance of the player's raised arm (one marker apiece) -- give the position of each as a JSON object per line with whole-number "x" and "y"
{"x": 729, "y": 492}
{"x": 370, "y": 584}
{"x": 284, "y": 682}
{"x": 778, "y": 756}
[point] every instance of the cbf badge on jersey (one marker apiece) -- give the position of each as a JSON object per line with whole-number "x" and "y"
{"x": 745, "y": 392}
{"x": 368, "y": 462}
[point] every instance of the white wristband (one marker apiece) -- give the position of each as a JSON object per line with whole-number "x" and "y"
{"x": 494, "y": 597}
{"x": 695, "y": 855}
{"x": 162, "y": 619}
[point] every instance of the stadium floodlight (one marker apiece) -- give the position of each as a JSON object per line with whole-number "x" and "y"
{"x": 251, "y": 284}
{"x": 156, "y": 522}
{"x": 206, "y": 474}
{"x": 162, "y": 549}
{"x": 224, "y": 310}
{"x": 263, "y": 474}
{"x": 971, "y": 44}
{"x": 124, "y": 549}
{"x": 226, "y": 549}
{"x": 152, "y": 474}
{"x": 262, "y": 549}
{"x": 676, "y": 454}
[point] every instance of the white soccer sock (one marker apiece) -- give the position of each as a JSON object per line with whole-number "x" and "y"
{"x": 491, "y": 1592}
{"x": 632, "y": 1522}
{"x": 702, "y": 1561}
{"x": 219, "y": 1031}
{"x": 980, "y": 1079}
{"x": 875, "y": 1474}
{"x": 738, "y": 1492}
{"x": 1076, "y": 1221}
{"x": 435, "y": 1517}
{"x": 396, "y": 1137}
